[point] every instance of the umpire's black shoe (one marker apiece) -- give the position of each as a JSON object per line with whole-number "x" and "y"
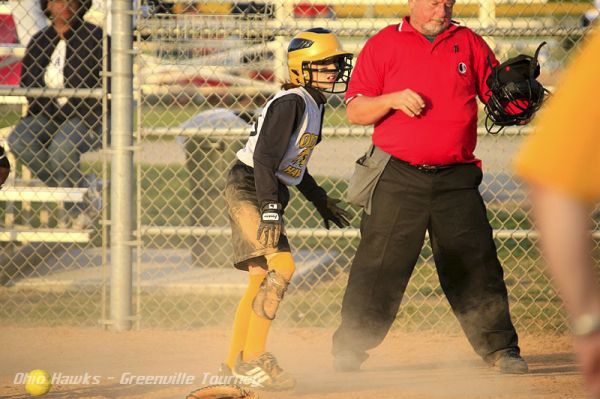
{"x": 510, "y": 362}
{"x": 348, "y": 361}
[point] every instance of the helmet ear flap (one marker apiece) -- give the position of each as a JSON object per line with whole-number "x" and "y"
{"x": 295, "y": 76}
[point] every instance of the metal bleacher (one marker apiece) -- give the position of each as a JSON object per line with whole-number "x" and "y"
{"x": 30, "y": 211}
{"x": 21, "y": 192}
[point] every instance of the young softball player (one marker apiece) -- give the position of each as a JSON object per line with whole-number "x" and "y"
{"x": 275, "y": 157}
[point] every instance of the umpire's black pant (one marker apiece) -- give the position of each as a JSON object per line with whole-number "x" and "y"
{"x": 408, "y": 202}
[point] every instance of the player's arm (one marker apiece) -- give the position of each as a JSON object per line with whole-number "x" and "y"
{"x": 365, "y": 102}
{"x": 282, "y": 119}
{"x": 326, "y": 206}
{"x": 311, "y": 190}
{"x": 567, "y": 246}
{"x": 482, "y": 67}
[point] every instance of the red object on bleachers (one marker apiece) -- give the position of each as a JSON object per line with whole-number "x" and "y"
{"x": 9, "y": 74}
{"x": 307, "y": 10}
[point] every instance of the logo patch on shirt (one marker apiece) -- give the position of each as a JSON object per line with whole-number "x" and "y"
{"x": 462, "y": 68}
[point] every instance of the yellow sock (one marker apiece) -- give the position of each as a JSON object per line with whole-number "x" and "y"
{"x": 256, "y": 340}
{"x": 242, "y": 319}
{"x": 259, "y": 327}
{"x": 283, "y": 263}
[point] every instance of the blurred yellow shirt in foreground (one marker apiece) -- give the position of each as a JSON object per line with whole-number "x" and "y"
{"x": 564, "y": 151}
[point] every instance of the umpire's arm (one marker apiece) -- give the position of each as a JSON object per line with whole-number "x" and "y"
{"x": 366, "y": 103}
{"x": 366, "y": 111}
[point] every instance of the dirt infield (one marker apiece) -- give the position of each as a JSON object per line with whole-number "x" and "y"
{"x": 405, "y": 366}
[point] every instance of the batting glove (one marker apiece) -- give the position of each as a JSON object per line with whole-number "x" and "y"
{"x": 331, "y": 213}
{"x": 271, "y": 224}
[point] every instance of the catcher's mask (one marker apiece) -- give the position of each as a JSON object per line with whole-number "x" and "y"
{"x": 318, "y": 46}
{"x": 514, "y": 93}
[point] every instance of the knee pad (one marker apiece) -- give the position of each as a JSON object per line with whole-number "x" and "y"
{"x": 270, "y": 294}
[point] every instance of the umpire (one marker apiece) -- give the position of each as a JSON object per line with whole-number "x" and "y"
{"x": 417, "y": 82}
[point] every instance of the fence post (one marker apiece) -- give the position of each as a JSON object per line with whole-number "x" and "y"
{"x": 487, "y": 19}
{"x": 122, "y": 166}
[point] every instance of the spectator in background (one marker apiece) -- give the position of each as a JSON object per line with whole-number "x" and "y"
{"x": 50, "y": 139}
{"x": 29, "y": 18}
{"x": 561, "y": 161}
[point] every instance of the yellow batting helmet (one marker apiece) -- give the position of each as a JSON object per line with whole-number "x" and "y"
{"x": 318, "y": 46}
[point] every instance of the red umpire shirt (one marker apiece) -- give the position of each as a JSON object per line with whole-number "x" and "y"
{"x": 448, "y": 74}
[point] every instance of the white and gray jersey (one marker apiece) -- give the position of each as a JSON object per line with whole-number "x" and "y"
{"x": 282, "y": 141}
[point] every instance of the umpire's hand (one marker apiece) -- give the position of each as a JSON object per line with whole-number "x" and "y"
{"x": 406, "y": 101}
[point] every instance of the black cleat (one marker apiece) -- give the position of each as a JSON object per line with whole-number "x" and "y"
{"x": 511, "y": 362}
{"x": 348, "y": 361}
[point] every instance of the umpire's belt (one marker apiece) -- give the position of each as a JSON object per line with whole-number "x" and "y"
{"x": 426, "y": 168}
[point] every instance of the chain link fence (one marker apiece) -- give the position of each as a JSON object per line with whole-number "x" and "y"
{"x": 54, "y": 128}
{"x": 202, "y": 70}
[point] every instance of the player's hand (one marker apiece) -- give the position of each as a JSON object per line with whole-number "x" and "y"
{"x": 406, "y": 101}
{"x": 331, "y": 213}
{"x": 271, "y": 224}
{"x": 588, "y": 353}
